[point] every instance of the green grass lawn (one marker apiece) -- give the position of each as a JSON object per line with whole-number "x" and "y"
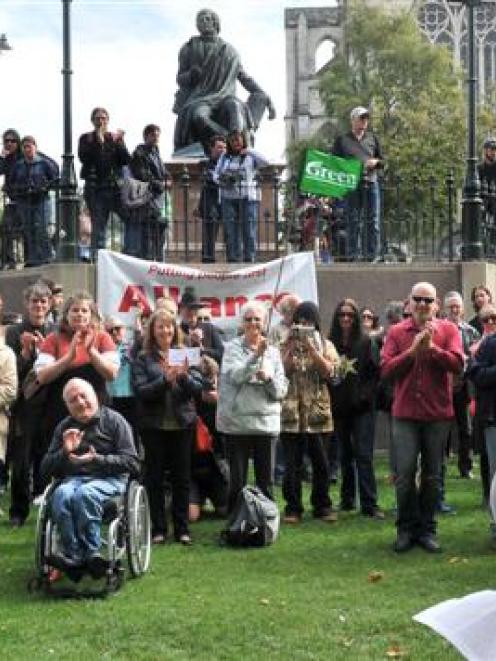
{"x": 306, "y": 597}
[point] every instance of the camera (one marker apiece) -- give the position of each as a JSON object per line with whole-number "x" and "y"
{"x": 299, "y": 332}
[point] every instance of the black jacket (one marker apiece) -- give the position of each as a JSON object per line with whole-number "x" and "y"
{"x": 356, "y": 392}
{"x": 482, "y": 372}
{"x": 102, "y": 161}
{"x": 110, "y": 435}
{"x": 146, "y": 165}
{"x": 150, "y": 385}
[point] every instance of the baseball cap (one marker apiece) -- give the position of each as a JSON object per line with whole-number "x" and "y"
{"x": 358, "y": 112}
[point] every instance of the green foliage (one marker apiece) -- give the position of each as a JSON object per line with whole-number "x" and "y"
{"x": 417, "y": 100}
{"x": 309, "y": 596}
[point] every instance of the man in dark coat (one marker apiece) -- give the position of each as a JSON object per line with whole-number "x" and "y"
{"x": 146, "y": 225}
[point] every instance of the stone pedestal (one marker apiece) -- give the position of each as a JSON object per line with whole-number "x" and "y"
{"x": 188, "y": 175}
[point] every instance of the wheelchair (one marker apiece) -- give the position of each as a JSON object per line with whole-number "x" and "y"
{"x": 126, "y": 531}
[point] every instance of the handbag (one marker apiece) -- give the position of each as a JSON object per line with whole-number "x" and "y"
{"x": 204, "y": 441}
{"x": 134, "y": 193}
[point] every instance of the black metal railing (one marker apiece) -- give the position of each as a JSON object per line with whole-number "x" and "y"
{"x": 420, "y": 220}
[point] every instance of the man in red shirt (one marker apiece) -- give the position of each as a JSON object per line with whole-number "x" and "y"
{"x": 420, "y": 354}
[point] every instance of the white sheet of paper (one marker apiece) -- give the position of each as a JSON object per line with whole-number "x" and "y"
{"x": 178, "y": 356}
{"x": 469, "y": 623}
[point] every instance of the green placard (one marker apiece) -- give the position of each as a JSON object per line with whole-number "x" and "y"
{"x": 329, "y": 176}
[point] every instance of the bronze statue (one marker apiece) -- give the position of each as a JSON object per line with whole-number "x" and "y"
{"x": 206, "y": 102}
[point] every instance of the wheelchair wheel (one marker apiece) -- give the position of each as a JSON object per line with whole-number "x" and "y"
{"x": 138, "y": 538}
{"x": 492, "y": 498}
{"x": 43, "y": 533}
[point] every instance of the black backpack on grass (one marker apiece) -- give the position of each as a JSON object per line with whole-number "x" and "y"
{"x": 253, "y": 522}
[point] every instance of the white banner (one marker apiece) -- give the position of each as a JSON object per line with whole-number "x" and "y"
{"x": 125, "y": 283}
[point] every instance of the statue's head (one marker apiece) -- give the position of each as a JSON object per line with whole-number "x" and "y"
{"x": 207, "y": 22}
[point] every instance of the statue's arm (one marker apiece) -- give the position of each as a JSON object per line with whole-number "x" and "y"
{"x": 252, "y": 86}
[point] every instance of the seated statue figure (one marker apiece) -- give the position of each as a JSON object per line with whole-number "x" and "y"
{"x": 206, "y": 102}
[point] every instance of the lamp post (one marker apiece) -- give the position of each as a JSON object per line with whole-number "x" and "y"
{"x": 472, "y": 248}
{"x": 4, "y": 44}
{"x": 68, "y": 199}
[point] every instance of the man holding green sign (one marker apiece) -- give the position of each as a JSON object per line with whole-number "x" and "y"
{"x": 363, "y": 204}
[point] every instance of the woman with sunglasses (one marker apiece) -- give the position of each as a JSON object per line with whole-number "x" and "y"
{"x": 251, "y": 386}
{"x": 353, "y": 409}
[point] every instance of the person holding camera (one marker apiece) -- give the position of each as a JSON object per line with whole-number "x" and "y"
{"x": 363, "y": 206}
{"x": 310, "y": 361}
{"x": 235, "y": 173}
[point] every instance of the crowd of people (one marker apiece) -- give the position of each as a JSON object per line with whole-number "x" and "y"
{"x": 276, "y": 394}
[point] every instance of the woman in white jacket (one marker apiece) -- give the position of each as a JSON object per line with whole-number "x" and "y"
{"x": 251, "y": 387}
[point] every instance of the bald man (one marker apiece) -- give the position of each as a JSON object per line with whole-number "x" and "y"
{"x": 421, "y": 354}
{"x": 92, "y": 453}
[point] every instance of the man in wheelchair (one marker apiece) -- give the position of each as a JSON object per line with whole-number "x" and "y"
{"x": 92, "y": 454}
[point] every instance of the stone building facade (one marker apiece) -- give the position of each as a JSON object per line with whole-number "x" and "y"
{"x": 307, "y": 28}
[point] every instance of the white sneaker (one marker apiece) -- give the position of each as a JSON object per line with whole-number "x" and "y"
{"x": 38, "y": 500}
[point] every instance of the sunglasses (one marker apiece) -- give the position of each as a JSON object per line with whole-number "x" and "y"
{"x": 490, "y": 320}
{"x": 428, "y": 300}
{"x": 7, "y": 140}
{"x": 250, "y": 319}
{"x": 203, "y": 318}
{"x": 366, "y": 315}
{"x": 406, "y": 315}
{"x": 346, "y": 314}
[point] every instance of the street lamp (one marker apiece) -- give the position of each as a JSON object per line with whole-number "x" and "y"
{"x": 472, "y": 247}
{"x": 4, "y": 44}
{"x": 68, "y": 198}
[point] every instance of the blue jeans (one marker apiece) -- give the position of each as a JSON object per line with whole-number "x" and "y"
{"x": 77, "y": 508}
{"x": 363, "y": 208}
{"x": 240, "y": 229}
{"x": 144, "y": 235}
{"x": 35, "y": 219}
{"x": 416, "y": 506}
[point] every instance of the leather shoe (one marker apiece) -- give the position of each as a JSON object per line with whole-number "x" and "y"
{"x": 185, "y": 540}
{"x": 329, "y": 517}
{"x": 97, "y": 565}
{"x": 429, "y": 543}
{"x": 291, "y": 518}
{"x": 403, "y": 543}
{"x": 375, "y": 513}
